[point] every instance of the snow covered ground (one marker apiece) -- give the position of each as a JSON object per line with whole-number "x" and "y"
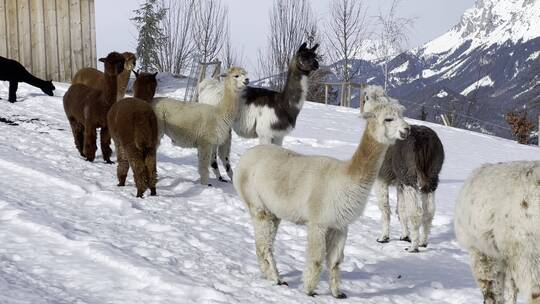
{"x": 68, "y": 234}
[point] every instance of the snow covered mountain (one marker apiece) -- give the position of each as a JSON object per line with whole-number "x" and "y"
{"x": 486, "y": 65}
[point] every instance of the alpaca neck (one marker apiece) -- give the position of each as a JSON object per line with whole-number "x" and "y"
{"x": 367, "y": 160}
{"x": 227, "y": 108}
{"x": 34, "y": 81}
{"x": 296, "y": 86}
{"x": 110, "y": 88}
{"x": 122, "y": 81}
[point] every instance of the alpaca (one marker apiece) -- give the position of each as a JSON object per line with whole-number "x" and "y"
{"x": 497, "y": 220}
{"x": 211, "y": 92}
{"x": 323, "y": 193}
{"x": 201, "y": 126}
{"x": 96, "y": 79}
{"x": 263, "y": 113}
{"x": 86, "y": 109}
{"x": 413, "y": 165}
{"x": 133, "y": 127}
{"x": 14, "y": 72}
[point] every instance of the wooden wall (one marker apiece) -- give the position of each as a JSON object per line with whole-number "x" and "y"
{"x": 52, "y": 38}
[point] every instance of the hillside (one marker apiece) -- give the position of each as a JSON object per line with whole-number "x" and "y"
{"x": 483, "y": 67}
{"x": 70, "y": 235}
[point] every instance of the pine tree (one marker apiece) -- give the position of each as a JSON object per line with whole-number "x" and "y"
{"x": 147, "y": 19}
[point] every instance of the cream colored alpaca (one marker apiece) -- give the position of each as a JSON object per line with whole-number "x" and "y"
{"x": 497, "y": 219}
{"x": 323, "y": 193}
{"x": 201, "y": 126}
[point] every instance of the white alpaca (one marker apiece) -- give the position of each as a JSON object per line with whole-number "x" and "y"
{"x": 323, "y": 193}
{"x": 201, "y": 126}
{"x": 210, "y": 92}
{"x": 497, "y": 219}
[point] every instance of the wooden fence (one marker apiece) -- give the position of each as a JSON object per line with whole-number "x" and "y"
{"x": 345, "y": 93}
{"x": 52, "y": 38}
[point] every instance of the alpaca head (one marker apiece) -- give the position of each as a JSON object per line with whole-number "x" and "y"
{"x": 131, "y": 61}
{"x": 145, "y": 85}
{"x": 306, "y": 59}
{"x": 48, "y": 88}
{"x": 114, "y": 63}
{"x": 385, "y": 116}
{"x": 236, "y": 78}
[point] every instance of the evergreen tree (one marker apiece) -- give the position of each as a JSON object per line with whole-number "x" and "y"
{"x": 147, "y": 19}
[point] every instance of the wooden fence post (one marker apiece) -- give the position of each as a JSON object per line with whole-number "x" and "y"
{"x": 325, "y": 93}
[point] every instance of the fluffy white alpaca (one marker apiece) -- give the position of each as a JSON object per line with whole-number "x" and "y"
{"x": 323, "y": 193}
{"x": 210, "y": 92}
{"x": 201, "y": 126}
{"x": 497, "y": 219}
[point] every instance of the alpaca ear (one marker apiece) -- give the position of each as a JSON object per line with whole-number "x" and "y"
{"x": 136, "y": 73}
{"x": 155, "y": 74}
{"x": 315, "y": 47}
{"x": 303, "y": 46}
{"x": 102, "y": 60}
{"x": 367, "y": 115}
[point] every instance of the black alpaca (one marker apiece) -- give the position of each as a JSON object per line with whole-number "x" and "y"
{"x": 14, "y": 72}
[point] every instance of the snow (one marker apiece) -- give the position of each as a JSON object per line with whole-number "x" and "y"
{"x": 533, "y": 56}
{"x": 483, "y": 82}
{"x": 442, "y": 94}
{"x": 428, "y": 73}
{"x": 402, "y": 68}
{"x": 70, "y": 235}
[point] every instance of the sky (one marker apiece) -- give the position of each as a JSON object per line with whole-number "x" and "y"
{"x": 250, "y": 26}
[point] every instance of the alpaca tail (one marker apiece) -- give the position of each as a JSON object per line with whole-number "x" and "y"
{"x": 146, "y": 130}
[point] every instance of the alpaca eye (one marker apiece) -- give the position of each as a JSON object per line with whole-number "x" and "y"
{"x": 236, "y": 76}
{"x": 389, "y": 120}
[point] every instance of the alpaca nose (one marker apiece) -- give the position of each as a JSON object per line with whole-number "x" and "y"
{"x": 246, "y": 81}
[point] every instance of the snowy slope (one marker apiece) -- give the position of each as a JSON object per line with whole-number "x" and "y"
{"x": 69, "y": 235}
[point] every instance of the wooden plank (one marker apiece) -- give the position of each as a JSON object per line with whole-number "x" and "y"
{"x": 64, "y": 40}
{"x": 25, "y": 36}
{"x": 37, "y": 27}
{"x": 51, "y": 40}
{"x": 12, "y": 29}
{"x": 85, "y": 33}
{"x": 93, "y": 32}
{"x": 76, "y": 39}
{"x": 3, "y": 29}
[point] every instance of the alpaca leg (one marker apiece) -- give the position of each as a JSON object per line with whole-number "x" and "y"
{"x": 535, "y": 294}
{"x": 510, "y": 292}
{"x": 413, "y": 213}
{"x": 316, "y": 249}
{"x": 105, "y": 139}
{"x": 13, "y": 86}
{"x": 78, "y": 134}
{"x": 485, "y": 270}
{"x": 265, "y": 225}
{"x": 224, "y": 152}
{"x": 90, "y": 147}
{"x": 136, "y": 162}
{"x": 277, "y": 141}
{"x": 381, "y": 188}
{"x": 151, "y": 170}
{"x": 205, "y": 153}
{"x": 214, "y": 165}
{"x": 265, "y": 140}
{"x": 123, "y": 164}
{"x": 335, "y": 243}
{"x": 401, "y": 212}
{"x": 428, "y": 212}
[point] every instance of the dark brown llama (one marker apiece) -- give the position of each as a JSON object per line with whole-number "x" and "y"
{"x": 133, "y": 127}
{"x": 86, "y": 109}
{"x": 96, "y": 79}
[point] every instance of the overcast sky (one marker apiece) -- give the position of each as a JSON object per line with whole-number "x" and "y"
{"x": 249, "y": 22}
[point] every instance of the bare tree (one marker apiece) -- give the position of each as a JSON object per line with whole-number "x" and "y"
{"x": 346, "y": 31}
{"x": 176, "y": 51}
{"x": 209, "y": 27}
{"x": 392, "y": 36}
{"x": 229, "y": 53}
{"x": 292, "y": 23}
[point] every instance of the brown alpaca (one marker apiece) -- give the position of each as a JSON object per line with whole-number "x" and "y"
{"x": 133, "y": 127}
{"x": 96, "y": 79}
{"x": 86, "y": 109}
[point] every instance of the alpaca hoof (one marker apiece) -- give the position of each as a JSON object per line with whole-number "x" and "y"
{"x": 424, "y": 245}
{"x": 405, "y": 239}
{"x": 109, "y": 162}
{"x": 140, "y": 195}
{"x": 383, "y": 240}
{"x": 90, "y": 160}
{"x": 221, "y": 179}
{"x": 341, "y": 295}
{"x": 121, "y": 184}
{"x": 153, "y": 192}
{"x": 312, "y": 294}
{"x": 209, "y": 185}
{"x": 412, "y": 250}
{"x": 12, "y": 100}
{"x": 282, "y": 283}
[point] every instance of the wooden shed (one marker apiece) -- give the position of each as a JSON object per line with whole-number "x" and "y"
{"x": 52, "y": 38}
